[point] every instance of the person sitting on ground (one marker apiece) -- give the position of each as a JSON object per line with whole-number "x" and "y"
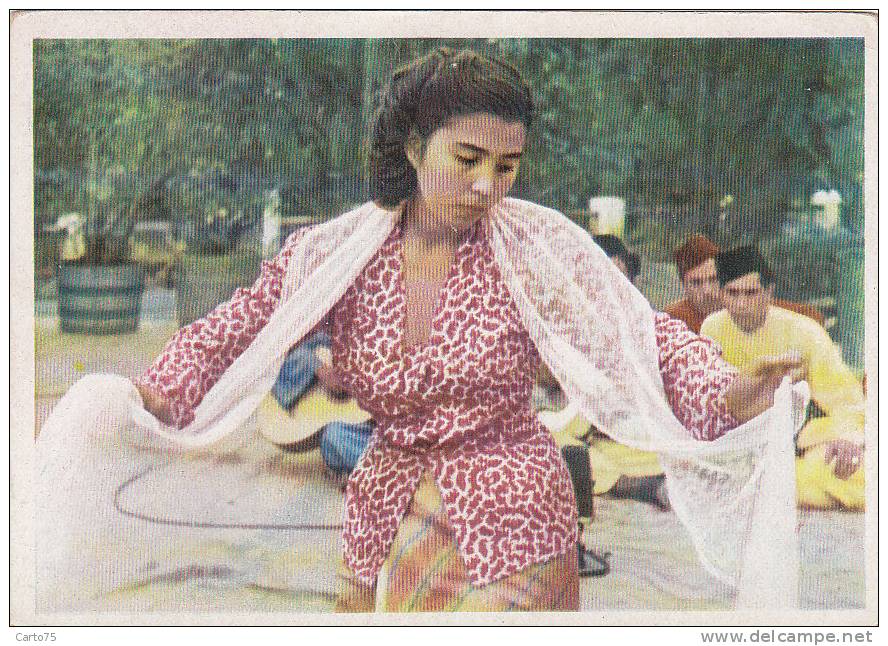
{"x": 618, "y": 470}
{"x": 830, "y": 448}
{"x": 341, "y": 442}
{"x": 626, "y": 261}
{"x": 695, "y": 261}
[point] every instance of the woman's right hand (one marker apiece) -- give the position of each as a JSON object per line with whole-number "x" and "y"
{"x": 156, "y": 404}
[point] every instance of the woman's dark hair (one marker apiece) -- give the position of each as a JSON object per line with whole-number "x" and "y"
{"x": 424, "y": 95}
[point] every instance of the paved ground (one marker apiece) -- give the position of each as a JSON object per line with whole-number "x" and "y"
{"x": 278, "y": 568}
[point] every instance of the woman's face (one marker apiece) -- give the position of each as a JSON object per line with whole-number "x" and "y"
{"x": 466, "y": 167}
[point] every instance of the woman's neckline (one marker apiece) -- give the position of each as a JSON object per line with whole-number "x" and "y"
{"x": 440, "y": 284}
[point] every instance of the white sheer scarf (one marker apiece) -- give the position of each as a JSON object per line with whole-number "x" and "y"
{"x": 593, "y": 330}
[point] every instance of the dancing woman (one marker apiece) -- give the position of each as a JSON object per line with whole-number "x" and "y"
{"x": 441, "y": 297}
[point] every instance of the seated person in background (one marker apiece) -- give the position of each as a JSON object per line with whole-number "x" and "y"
{"x": 617, "y": 470}
{"x": 830, "y": 448}
{"x": 626, "y": 261}
{"x": 330, "y": 420}
{"x": 695, "y": 261}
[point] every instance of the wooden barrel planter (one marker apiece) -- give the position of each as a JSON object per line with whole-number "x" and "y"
{"x": 100, "y": 299}
{"x": 205, "y": 280}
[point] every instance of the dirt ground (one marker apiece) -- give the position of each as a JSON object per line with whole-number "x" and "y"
{"x": 275, "y": 566}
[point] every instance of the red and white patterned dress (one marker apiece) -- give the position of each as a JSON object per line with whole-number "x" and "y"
{"x": 457, "y": 406}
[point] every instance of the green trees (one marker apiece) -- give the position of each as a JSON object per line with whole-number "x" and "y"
{"x": 91, "y": 113}
{"x": 682, "y": 124}
{"x": 728, "y": 137}
{"x": 673, "y": 126}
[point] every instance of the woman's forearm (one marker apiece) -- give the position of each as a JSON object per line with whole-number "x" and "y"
{"x": 695, "y": 378}
{"x": 197, "y": 355}
{"x": 751, "y": 395}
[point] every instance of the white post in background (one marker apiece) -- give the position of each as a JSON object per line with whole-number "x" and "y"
{"x": 607, "y": 214}
{"x": 827, "y": 216}
{"x": 271, "y": 224}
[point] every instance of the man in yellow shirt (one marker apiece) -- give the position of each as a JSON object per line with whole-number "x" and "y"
{"x": 830, "y": 447}
{"x": 695, "y": 261}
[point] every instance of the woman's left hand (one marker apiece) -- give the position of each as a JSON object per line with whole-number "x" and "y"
{"x": 847, "y": 456}
{"x": 753, "y": 394}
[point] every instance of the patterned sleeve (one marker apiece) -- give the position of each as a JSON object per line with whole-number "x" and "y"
{"x": 695, "y": 377}
{"x": 197, "y": 355}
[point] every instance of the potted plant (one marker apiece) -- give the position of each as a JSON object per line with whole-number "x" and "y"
{"x": 99, "y": 286}
{"x": 89, "y": 102}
